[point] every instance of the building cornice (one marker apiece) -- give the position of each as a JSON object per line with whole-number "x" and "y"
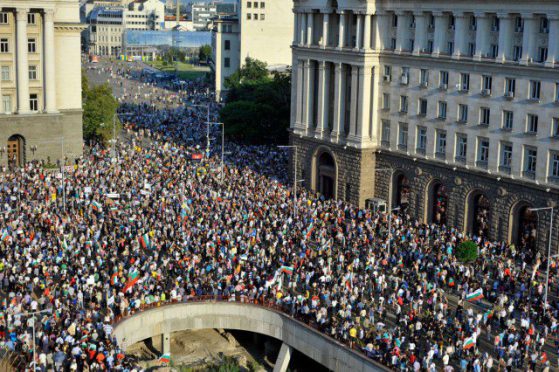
{"x": 79, "y": 27}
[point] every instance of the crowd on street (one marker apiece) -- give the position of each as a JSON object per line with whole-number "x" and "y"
{"x": 162, "y": 221}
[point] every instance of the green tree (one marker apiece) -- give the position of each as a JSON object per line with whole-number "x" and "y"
{"x": 99, "y": 107}
{"x": 204, "y": 53}
{"x": 467, "y": 251}
{"x": 252, "y": 72}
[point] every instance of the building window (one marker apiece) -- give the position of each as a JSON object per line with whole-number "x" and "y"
{"x": 557, "y": 92}
{"x": 483, "y": 152}
{"x": 255, "y": 16}
{"x": 424, "y": 77}
{"x": 226, "y": 62}
{"x": 33, "y": 102}
{"x": 493, "y": 51}
{"x": 471, "y": 49}
{"x": 463, "y": 113}
{"x": 429, "y": 46}
{"x": 4, "y": 21}
{"x": 506, "y": 157}
{"x": 385, "y": 135}
{"x": 31, "y": 45}
{"x": 464, "y": 82}
{"x": 450, "y": 48}
{"x": 31, "y": 18}
{"x": 255, "y": 5}
{"x": 510, "y": 87}
{"x": 6, "y": 73}
{"x": 532, "y": 123}
{"x": 555, "y": 127}
{"x": 530, "y": 161}
{"x": 544, "y": 25}
{"x": 442, "y": 110}
{"x": 421, "y": 139}
{"x": 461, "y": 147}
{"x": 4, "y": 47}
{"x": 227, "y": 45}
{"x": 7, "y": 104}
{"x": 487, "y": 83}
{"x": 249, "y": 16}
{"x": 516, "y": 53}
{"x": 249, "y": 4}
{"x": 386, "y": 101}
{"x": 507, "y": 120}
{"x": 404, "y": 104}
{"x": 32, "y": 72}
{"x": 262, "y": 17}
{"x": 484, "y": 115}
{"x": 451, "y": 22}
{"x": 441, "y": 143}
{"x": 443, "y": 79}
{"x": 394, "y": 20}
{"x": 495, "y": 24}
{"x": 262, "y": 5}
{"x": 554, "y": 165}
{"x": 518, "y": 24}
{"x": 422, "y": 107}
{"x": 542, "y": 54}
{"x": 403, "y": 136}
{"x": 387, "y": 73}
{"x": 393, "y": 43}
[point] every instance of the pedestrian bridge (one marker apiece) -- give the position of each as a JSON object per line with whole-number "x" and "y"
{"x": 294, "y": 334}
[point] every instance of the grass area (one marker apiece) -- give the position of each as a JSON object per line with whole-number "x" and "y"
{"x": 185, "y": 71}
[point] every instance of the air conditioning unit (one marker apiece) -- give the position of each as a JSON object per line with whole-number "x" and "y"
{"x": 443, "y": 86}
{"x": 386, "y": 78}
{"x": 486, "y": 92}
{"x": 509, "y": 95}
{"x": 495, "y": 28}
{"x": 404, "y": 79}
{"x": 519, "y": 29}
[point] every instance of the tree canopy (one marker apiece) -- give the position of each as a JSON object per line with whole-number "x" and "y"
{"x": 205, "y": 52}
{"x": 99, "y": 107}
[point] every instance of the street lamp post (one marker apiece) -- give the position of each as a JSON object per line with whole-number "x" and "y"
{"x": 33, "y": 313}
{"x": 390, "y": 229}
{"x": 548, "y": 251}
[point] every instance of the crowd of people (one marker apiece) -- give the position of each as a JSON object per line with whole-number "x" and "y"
{"x": 156, "y": 224}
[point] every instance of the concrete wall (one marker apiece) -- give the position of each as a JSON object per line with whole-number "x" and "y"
{"x": 246, "y": 317}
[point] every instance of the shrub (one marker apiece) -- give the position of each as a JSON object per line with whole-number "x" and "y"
{"x": 467, "y": 251}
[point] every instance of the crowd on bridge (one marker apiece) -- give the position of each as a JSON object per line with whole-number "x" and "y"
{"x": 157, "y": 223}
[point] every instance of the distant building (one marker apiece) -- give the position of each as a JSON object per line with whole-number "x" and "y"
{"x": 104, "y": 33}
{"x": 144, "y": 15}
{"x": 258, "y": 29}
{"x": 202, "y": 15}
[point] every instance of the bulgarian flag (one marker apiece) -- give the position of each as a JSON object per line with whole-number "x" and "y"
{"x": 5, "y": 236}
{"x": 287, "y": 270}
{"x": 165, "y": 358}
{"x": 488, "y": 314}
{"x": 144, "y": 241}
{"x": 310, "y": 230}
{"x": 96, "y": 206}
{"x": 469, "y": 343}
{"x": 114, "y": 278}
{"x": 475, "y": 295}
{"x": 133, "y": 278}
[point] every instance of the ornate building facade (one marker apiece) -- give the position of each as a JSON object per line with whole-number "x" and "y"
{"x": 449, "y": 110}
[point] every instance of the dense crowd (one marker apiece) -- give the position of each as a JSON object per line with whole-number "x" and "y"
{"x": 156, "y": 225}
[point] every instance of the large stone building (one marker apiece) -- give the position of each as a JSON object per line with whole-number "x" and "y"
{"x": 448, "y": 109}
{"x": 40, "y": 84}
{"x": 258, "y": 29}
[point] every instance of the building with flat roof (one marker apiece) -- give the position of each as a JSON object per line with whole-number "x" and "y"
{"x": 40, "y": 81}
{"x": 449, "y": 110}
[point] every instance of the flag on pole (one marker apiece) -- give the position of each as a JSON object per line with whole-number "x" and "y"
{"x": 475, "y": 295}
{"x": 96, "y": 206}
{"x": 165, "y": 358}
{"x": 469, "y": 343}
{"x": 287, "y": 270}
{"x": 144, "y": 241}
{"x": 5, "y": 236}
{"x": 133, "y": 278}
{"x": 310, "y": 230}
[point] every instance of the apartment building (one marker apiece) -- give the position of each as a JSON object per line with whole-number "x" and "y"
{"x": 106, "y": 26}
{"x": 449, "y": 110}
{"x": 258, "y": 29}
{"x": 40, "y": 81}
{"x": 202, "y": 15}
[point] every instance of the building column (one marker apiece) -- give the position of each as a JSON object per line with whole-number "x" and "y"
{"x": 22, "y": 62}
{"x": 322, "y": 112}
{"x": 353, "y": 101}
{"x": 401, "y": 31}
{"x": 364, "y": 114}
{"x": 303, "y": 29}
{"x": 528, "y": 39}
{"x": 380, "y": 30}
{"x": 420, "y": 33}
{"x": 553, "y": 41}
{"x": 50, "y": 73}
{"x": 441, "y": 26}
{"x": 358, "y": 28}
{"x": 341, "y": 32}
{"x": 338, "y": 103}
{"x": 309, "y": 29}
{"x": 284, "y": 357}
{"x": 308, "y": 97}
{"x": 367, "y": 32}
{"x": 459, "y": 34}
{"x": 482, "y": 32}
{"x": 299, "y": 127}
{"x": 325, "y": 25}
{"x": 505, "y": 37}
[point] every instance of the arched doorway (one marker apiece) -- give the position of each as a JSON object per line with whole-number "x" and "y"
{"x": 16, "y": 151}
{"x": 438, "y": 203}
{"x": 525, "y": 229}
{"x": 402, "y": 192}
{"x": 480, "y": 215}
{"x": 326, "y": 175}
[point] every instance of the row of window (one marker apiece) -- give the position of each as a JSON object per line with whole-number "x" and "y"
{"x": 7, "y": 103}
{"x": 256, "y": 4}
{"x": 5, "y": 73}
{"x": 31, "y": 18}
{"x": 463, "y": 86}
{"x": 484, "y": 119}
{"x": 256, "y": 16}
{"x": 31, "y": 45}
{"x": 530, "y": 153}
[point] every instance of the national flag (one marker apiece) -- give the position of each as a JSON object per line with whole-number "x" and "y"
{"x": 310, "y": 230}
{"x": 475, "y": 295}
{"x": 144, "y": 241}
{"x": 165, "y": 358}
{"x": 544, "y": 357}
{"x": 114, "y": 279}
{"x": 287, "y": 270}
{"x": 469, "y": 343}
{"x": 488, "y": 314}
{"x": 133, "y": 278}
{"x": 5, "y": 236}
{"x": 96, "y": 206}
